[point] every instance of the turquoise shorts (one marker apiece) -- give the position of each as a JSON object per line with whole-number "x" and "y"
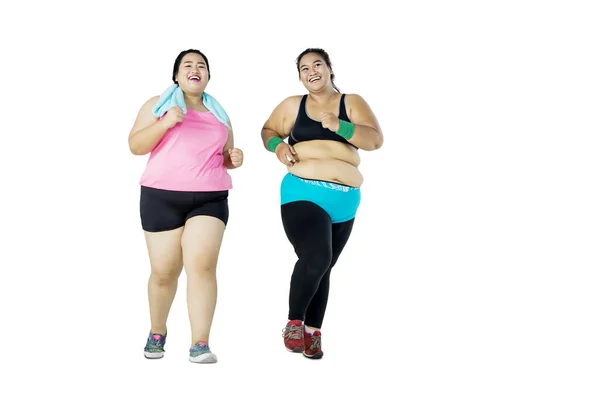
{"x": 339, "y": 201}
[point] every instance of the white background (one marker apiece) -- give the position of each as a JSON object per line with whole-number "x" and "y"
{"x": 472, "y": 271}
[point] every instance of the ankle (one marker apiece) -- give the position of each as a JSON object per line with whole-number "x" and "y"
{"x": 200, "y": 342}
{"x": 160, "y": 330}
{"x": 311, "y": 329}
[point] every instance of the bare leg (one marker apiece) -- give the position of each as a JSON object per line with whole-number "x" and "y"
{"x": 201, "y": 244}
{"x": 164, "y": 249}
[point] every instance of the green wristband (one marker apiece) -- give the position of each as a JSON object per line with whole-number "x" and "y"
{"x": 273, "y": 142}
{"x": 346, "y": 129}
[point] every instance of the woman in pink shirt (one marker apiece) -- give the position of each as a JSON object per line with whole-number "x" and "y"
{"x": 183, "y": 202}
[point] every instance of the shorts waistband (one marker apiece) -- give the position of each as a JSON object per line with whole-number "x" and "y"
{"x": 326, "y": 184}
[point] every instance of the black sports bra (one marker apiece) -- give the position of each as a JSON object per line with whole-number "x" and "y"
{"x": 306, "y": 128}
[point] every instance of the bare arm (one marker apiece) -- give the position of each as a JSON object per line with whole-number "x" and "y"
{"x": 228, "y": 146}
{"x": 367, "y": 132}
{"x": 281, "y": 121}
{"x": 147, "y": 130}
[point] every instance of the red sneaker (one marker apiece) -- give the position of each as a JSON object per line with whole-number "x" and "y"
{"x": 292, "y": 336}
{"x": 312, "y": 345}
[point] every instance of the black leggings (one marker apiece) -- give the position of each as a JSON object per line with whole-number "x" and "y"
{"x": 318, "y": 244}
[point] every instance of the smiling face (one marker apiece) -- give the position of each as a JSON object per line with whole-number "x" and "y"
{"x": 314, "y": 72}
{"x": 192, "y": 75}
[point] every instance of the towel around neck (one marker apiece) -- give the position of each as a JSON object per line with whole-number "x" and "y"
{"x": 173, "y": 96}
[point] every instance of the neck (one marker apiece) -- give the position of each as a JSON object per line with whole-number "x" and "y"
{"x": 324, "y": 96}
{"x": 193, "y": 101}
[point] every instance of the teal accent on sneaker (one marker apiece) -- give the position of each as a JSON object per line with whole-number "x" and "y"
{"x": 155, "y": 345}
{"x": 201, "y": 353}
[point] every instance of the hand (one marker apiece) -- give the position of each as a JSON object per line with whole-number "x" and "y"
{"x": 286, "y": 154}
{"x": 173, "y": 116}
{"x": 236, "y": 156}
{"x": 330, "y": 121}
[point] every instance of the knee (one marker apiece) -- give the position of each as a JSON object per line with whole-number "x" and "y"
{"x": 317, "y": 262}
{"x": 333, "y": 260}
{"x": 165, "y": 278}
{"x": 201, "y": 268}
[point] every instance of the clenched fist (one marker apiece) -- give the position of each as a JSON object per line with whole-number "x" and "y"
{"x": 173, "y": 116}
{"x": 330, "y": 121}
{"x": 236, "y": 156}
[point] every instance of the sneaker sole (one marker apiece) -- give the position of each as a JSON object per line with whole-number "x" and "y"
{"x": 208, "y": 358}
{"x": 296, "y": 350}
{"x": 315, "y": 356}
{"x": 153, "y": 356}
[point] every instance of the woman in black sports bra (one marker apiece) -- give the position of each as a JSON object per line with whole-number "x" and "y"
{"x": 321, "y": 192}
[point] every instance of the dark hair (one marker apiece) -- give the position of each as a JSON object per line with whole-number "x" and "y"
{"x": 180, "y": 57}
{"x": 324, "y": 56}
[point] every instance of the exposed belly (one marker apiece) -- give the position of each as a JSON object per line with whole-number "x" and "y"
{"x": 327, "y": 160}
{"x": 327, "y": 150}
{"x": 328, "y": 170}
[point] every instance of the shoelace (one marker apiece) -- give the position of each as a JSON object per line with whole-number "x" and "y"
{"x": 316, "y": 342}
{"x": 199, "y": 349}
{"x": 155, "y": 343}
{"x": 199, "y": 346}
{"x": 292, "y": 332}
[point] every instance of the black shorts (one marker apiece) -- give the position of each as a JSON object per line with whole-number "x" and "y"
{"x": 164, "y": 210}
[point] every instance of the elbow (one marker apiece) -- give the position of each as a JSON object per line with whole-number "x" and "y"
{"x": 136, "y": 150}
{"x": 376, "y": 144}
{"x": 379, "y": 141}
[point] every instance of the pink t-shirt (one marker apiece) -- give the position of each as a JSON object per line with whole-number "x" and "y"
{"x": 189, "y": 157}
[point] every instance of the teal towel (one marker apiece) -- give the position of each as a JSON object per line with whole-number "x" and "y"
{"x": 173, "y": 96}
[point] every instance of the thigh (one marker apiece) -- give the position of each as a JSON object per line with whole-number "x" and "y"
{"x": 164, "y": 250}
{"x": 340, "y": 233}
{"x": 201, "y": 242}
{"x": 307, "y": 226}
{"x": 211, "y": 204}
{"x": 162, "y": 210}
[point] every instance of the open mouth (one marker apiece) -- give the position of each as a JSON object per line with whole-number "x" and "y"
{"x": 194, "y": 78}
{"x": 314, "y": 79}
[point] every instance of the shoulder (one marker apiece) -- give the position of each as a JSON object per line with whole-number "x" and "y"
{"x": 149, "y": 104}
{"x": 358, "y": 109}
{"x": 355, "y": 99}
{"x": 289, "y": 106}
{"x": 292, "y": 101}
{"x": 152, "y": 100}
{"x": 356, "y": 103}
